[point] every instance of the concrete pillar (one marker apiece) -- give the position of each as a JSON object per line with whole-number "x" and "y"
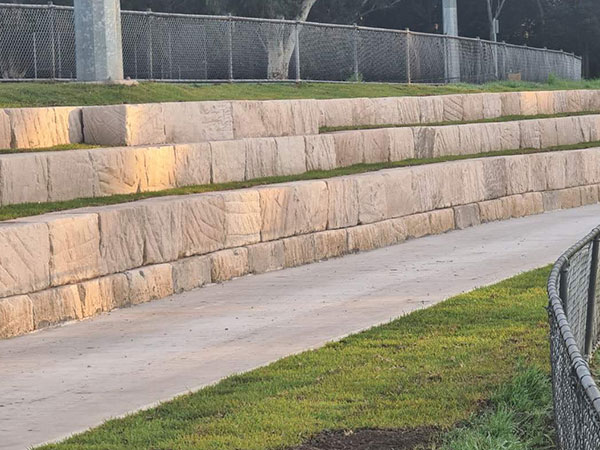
{"x": 453, "y": 46}
{"x": 99, "y": 48}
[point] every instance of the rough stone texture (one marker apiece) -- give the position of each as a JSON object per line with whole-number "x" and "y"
{"x": 291, "y": 156}
{"x": 54, "y": 306}
{"x": 191, "y": 273}
{"x": 75, "y": 244}
{"x": 24, "y": 257}
{"x": 372, "y": 199}
{"x": 376, "y": 145}
{"x": 5, "y": 133}
{"x": 335, "y": 112}
{"x": 376, "y": 235}
{"x": 531, "y": 134}
{"x": 266, "y": 257}
{"x": 197, "y": 121}
{"x": 16, "y": 316}
{"x": 242, "y": 217}
{"x": 529, "y": 103}
{"x": 550, "y": 201}
{"x": 453, "y": 108}
{"x": 561, "y": 102}
{"x": 548, "y": 133}
{"x": 365, "y": 112}
{"x": 511, "y": 104}
{"x": 431, "y": 109}
{"x": 545, "y": 102}
{"x": 292, "y": 209}
{"x": 399, "y": 195}
{"x": 343, "y": 202}
{"x": 229, "y": 264}
{"x": 159, "y": 224}
{"x": 409, "y": 110}
{"x": 71, "y": 175}
{"x": 203, "y": 224}
{"x": 386, "y": 111}
{"x": 510, "y": 135}
{"x": 275, "y": 118}
{"x": 568, "y": 131}
{"x": 103, "y": 294}
{"x": 402, "y": 144}
{"x": 492, "y": 106}
{"x": 424, "y": 138}
{"x": 228, "y": 161}
{"x": 441, "y": 221}
{"x": 471, "y": 139}
{"x": 159, "y": 164}
{"x": 23, "y": 178}
{"x": 192, "y": 164}
{"x": 417, "y": 225}
{"x": 446, "y": 141}
{"x": 261, "y": 158}
{"x": 349, "y": 148}
{"x": 44, "y": 127}
{"x": 491, "y": 140}
{"x": 473, "y": 107}
{"x": 589, "y": 195}
{"x": 320, "y": 152}
{"x": 467, "y": 216}
{"x": 299, "y": 250}
{"x": 518, "y": 173}
{"x": 330, "y": 244}
{"x": 150, "y": 283}
{"x": 570, "y": 198}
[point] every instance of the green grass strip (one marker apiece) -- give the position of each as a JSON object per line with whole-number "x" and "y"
{"x": 435, "y": 367}
{"x": 18, "y": 95}
{"x": 10, "y": 212}
{"x": 56, "y": 148}
{"x": 502, "y": 119}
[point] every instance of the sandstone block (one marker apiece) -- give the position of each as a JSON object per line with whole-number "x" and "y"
{"x": 510, "y": 135}
{"x": 75, "y": 244}
{"x": 69, "y": 124}
{"x": 119, "y": 170}
{"x": 537, "y": 173}
{"x": 150, "y": 283}
{"x": 42, "y": 127}
{"x": 330, "y": 244}
{"x": 5, "y": 133}
{"x": 491, "y": 140}
{"x": 261, "y": 158}
{"x": 24, "y": 257}
{"x": 441, "y": 221}
{"x": 266, "y": 257}
{"x": 71, "y": 175}
{"x": 191, "y": 273}
{"x": 574, "y": 101}
{"x": 159, "y": 164}
{"x": 229, "y": 264}
{"x": 386, "y": 111}
{"x": 343, "y": 202}
{"x": 548, "y": 133}
{"x": 558, "y": 175}
{"x": 424, "y": 139}
{"x": 399, "y": 195}
{"x": 275, "y": 118}
{"x": 376, "y": 145}
{"x": 54, "y": 306}
{"x": 291, "y": 156}
{"x": 493, "y": 210}
{"x": 453, "y": 108}
{"x": 349, "y": 148}
{"x": 409, "y": 110}
{"x": 299, "y": 250}
{"x": 23, "y": 178}
{"x": 197, "y": 121}
{"x": 529, "y": 103}
{"x": 103, "y": 294}
{"x": 291, "y": 209}
{"x": 518, "y": 172}
{"x": 545, "y": 102}
{"x": 471, "y": 139}
{"x": 242, "y": 217}
{"x": 525, "y": 205}
{"x": 203, "y": 224}
{"x": 417, "y": 225}
{"x": 432, "y": 109}
{"x": 467, "y": 216}
{"x": 511, "y": 104}
{"x": 334, "y": 112}
{"x": 531, "y": 134}
{"x": 320, "y": 152}
{"x": 402, "y": 144}
{"x": 16, "y": 316}
{"x": 551, "y": 201}
{"x": 376, "y": 235}
{"x": 473, "y": 107}
{"x": 589, "y": 195}
{"x": 192, "y": 164}
{"x": 446, "y": 141}
{"x": 568, "y": 130}
{"x": 372, "y": 201}
{"x": 561, "y": 102}
{"x": 159, "y": 223}
{"x": 364, "y": 112}
{"x": 590, "y": 128}
{"x": 492, "y": 106}
{"x": 228, "y": 161}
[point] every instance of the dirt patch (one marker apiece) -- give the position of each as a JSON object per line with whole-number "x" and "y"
{"x": 413, "y": 439}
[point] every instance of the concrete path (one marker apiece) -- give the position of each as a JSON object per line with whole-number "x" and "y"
{"x": 67, "y": 379}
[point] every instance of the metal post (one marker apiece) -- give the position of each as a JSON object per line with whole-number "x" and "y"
{"x": 35, "y": 65}
{"x": 150, "y": 45}
{"x": 408, "y": 62}
{"x": 564, "y": 286}
{"x": 297, "y": 50}
{"x": 479, "y": 60}
{"x": 59, "y": 55}
{"x": 135, "y": 59}
{"x": 170, "y": 56}
{"x": 505, "y": 56}
{"x": 230, "y": 33}
{"x": 591, "y": 306}
{"x": 355, "y": 48}
{"x": 52, "y": 38}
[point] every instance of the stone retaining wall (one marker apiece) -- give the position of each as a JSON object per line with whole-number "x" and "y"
{"x": 190, "y": 122}
{"x": 66, "y": 175}
{"x": 76, "y": 264}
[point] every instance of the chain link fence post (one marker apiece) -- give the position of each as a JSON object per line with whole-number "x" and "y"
{"x": 355, "y": 52}
{"x": 297, "y": 51}
{"x": 564, "y": 286}
{"x": 230, "y": 46}
{"x": 150, "y": 44}
{"x": 408, "y": 62}
{"x": 479, "y": 76}
{"x": 591, "y": 306}
{"x": 52, "y": 12}
{"x": 35, "y": 63}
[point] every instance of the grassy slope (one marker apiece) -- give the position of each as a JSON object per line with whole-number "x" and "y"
{"x": 13, "y": 95}
{"x": 433, "y": 367}
{"x": 32, "y": 209}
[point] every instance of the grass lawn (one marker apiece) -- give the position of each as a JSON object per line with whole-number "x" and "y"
{"x": 433, "y": 368}
{"x": 10, "y": 212}
{"x": 26, "y": 94}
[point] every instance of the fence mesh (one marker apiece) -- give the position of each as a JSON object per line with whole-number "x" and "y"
{"x": 574, "y": 320}
{"x": 38, "y": 42}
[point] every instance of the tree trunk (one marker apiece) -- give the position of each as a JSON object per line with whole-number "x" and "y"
{"x": 280, "y": 44}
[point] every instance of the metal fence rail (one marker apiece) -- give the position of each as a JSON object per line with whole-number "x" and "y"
{"x": 38, "y": 42}
{"x": 574, "y": 333}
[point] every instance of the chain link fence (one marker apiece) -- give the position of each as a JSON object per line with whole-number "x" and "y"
{"x": 574, "y": 333}
{"x": 38, "y": 42}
